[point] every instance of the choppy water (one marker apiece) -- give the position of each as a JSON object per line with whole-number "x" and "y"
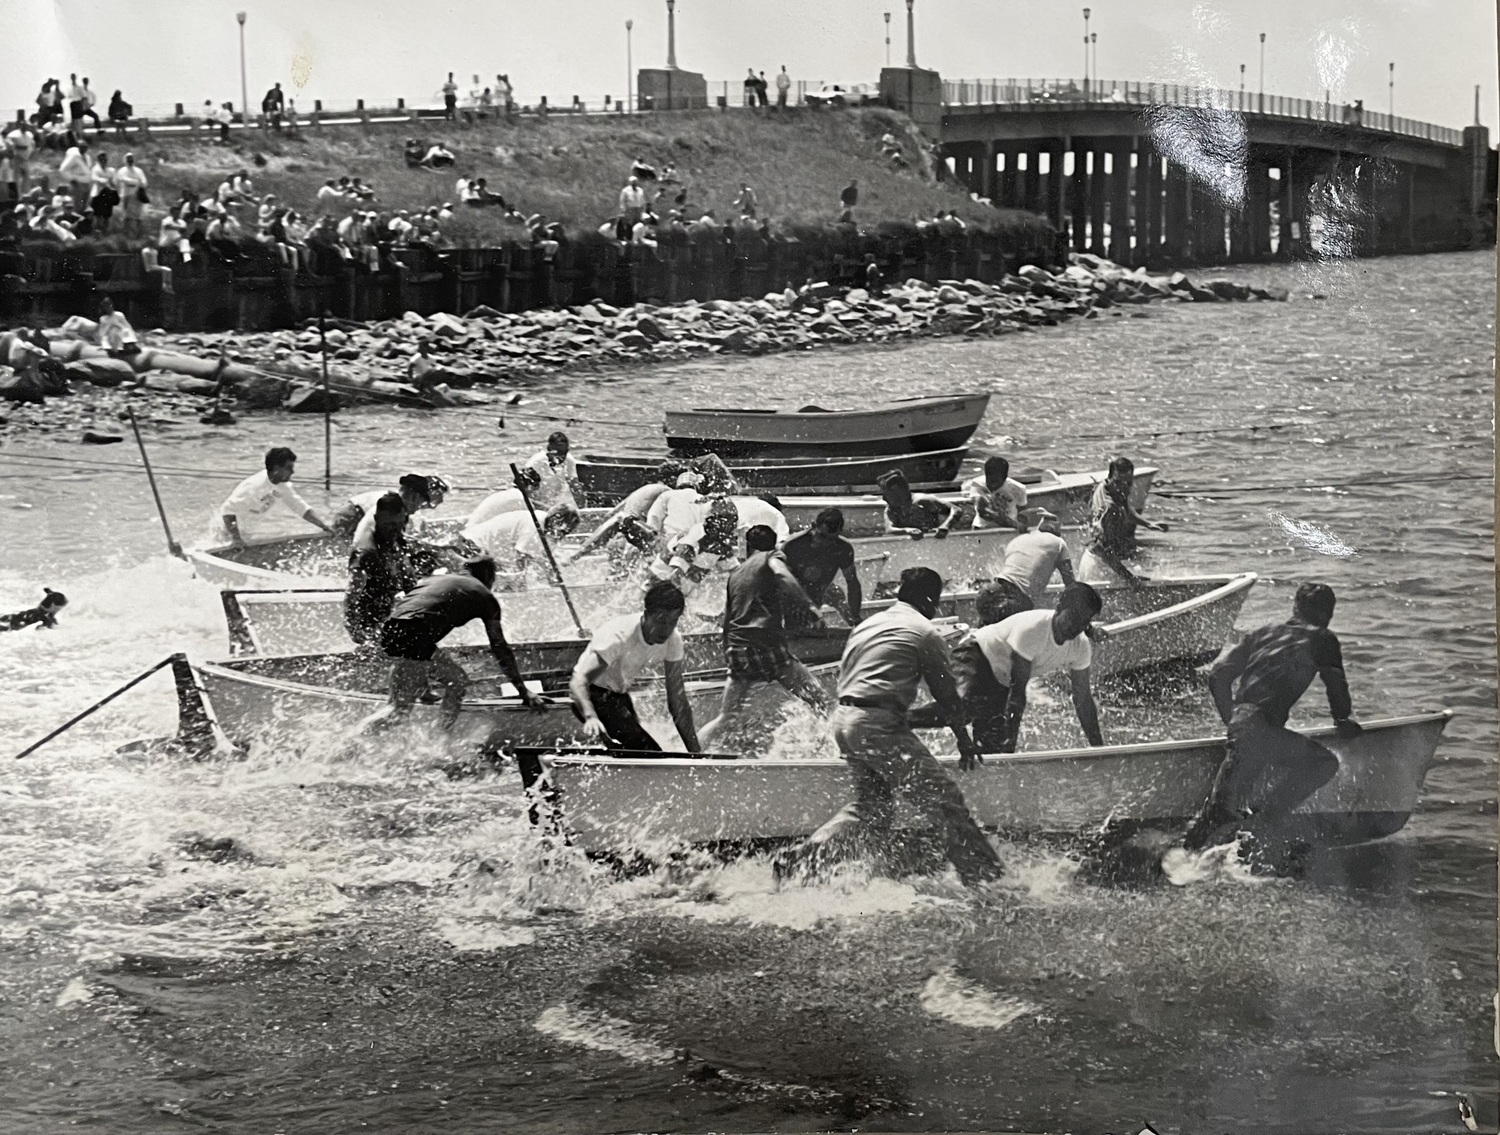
{"x": 381, "y": 946}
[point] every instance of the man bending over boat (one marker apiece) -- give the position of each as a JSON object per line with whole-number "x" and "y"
{"x": 1030, "y": 561}
{"x": 997, "y": 499}
{"x": 619, "y": 653}
{"x": 702, "y": 550}
{"x": 1112, "y": 524}
{"x": 819, "y": 554}
{"x": 1255, "y": 684}
{"x": 512, "y": 540}
{"x": 356, "y": 519}
{"x": 755, "y": 644}
{"x": 887, "y": 657}
{"x": 378, "y": 573}
{"x": 505, "y": 500}
{"x": 994, "y": 663}
{"x": 628, "y": 518}
{"x": 259, "y": 494}
{"x": 419, "y": 622}
{"x": 914, "y": 515}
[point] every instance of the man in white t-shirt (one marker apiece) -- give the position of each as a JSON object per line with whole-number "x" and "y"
{"x": 356, "y": 518}
{"x": 761, "y": 510}
{"x": 511, "y": 538}
{"x": 620, "y": 652}
{"x": 558, "y": 473}
{"x": 1030, "y": 561}
{"x": 677, "y": 511}
{"x": 628, "y": 518}
{"x": 255, "y": 496}
{"x": 994, "y": 663}
{"x": 996, "y": 498}
{"x": 506, "y": 500}
{"x": 701, "y": 550}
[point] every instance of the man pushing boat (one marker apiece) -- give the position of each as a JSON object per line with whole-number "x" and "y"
{"x": 628, "y": 518}
{"x": 819, "y": 554}
{"x": 620, "y": 651}
{"x": 258, "y": 494}
{"x": 1255, "y": 683}
{"x": 1030, "y": 561}
{"x": 419, "y": 622}
{"x": 1112, "y": 524}
{"x": 886, "y": 658}
{"x": 757, "y": 592}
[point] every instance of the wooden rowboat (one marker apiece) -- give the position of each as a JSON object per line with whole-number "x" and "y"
{"x": 608, "y": 480}
{"x": 615, "y": 805}
{"x": 1068, "y": 497}
{"x": 912, "y": 425}
{"x": 301, "y": 699}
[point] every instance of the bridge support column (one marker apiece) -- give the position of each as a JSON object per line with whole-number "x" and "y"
{"x": 1007, "y": 190}
{"x": 1078, "y": 191}
{"x": 1054, "y": 185}
{"x": 1208, "y": 225}
{"x": 1119, "y": 204}
{"x": 1148, "y": 205}
{"x": 1286, "y": 240}
{"x": 1031, "y": 198}
{"x": 1406, "y": 189}
{"x": 1258, "y": 201}
{"x": 1098, "y": 184}
{"x": 987, "y": 181}
{"x": 1176, "y": 238}
{"x": 1367, "y": 209}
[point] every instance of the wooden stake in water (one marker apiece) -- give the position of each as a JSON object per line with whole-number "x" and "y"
{"x": 172, "y": 545}
{"x": 327, "y": 408}
{"x": 546, "y": 547}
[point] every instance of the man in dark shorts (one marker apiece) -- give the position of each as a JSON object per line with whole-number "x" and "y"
{"x": 1030, "y": 561}
{"x": 911, "y": 514}
{"x": 819, "y": 554}
{"x": 1255, "y": 684}
{"x": 620, "y": 651}
{"x": 755, "y": 648}
{"x": 44, "y": 614}
{"x": 420, "y": 620}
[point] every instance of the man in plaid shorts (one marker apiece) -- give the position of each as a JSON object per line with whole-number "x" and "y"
{"x": 755, "y": 632}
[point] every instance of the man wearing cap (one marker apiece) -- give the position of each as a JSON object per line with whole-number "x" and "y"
{"x": 994, "y": 663}
{"x": 887, "y": 657}
{"x": 678, "y": 510}
{"x": 997, "y": 499}
{"x": 755, "y": 647}
{"x": 1030, "y": 561}
{"x": 909, "y": 514}
{"x": 419, "y": 622}
{"x": 1255, "y": 683}
{"x": 356, "y": 518}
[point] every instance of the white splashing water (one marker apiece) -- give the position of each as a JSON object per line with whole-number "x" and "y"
{"x": 599, "y": 1032}
{"x": 958, "y": 1001}
{"x": 1306, "y": 534}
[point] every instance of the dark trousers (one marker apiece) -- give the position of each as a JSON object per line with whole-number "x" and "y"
{"x": 1001, "y": 599}
{"x": 617, "y": 713}
{"x": 984, "y": 699}
{"x": 1266, "y": 773}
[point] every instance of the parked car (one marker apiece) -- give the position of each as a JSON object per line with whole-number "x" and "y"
{"x": 860, "y": 94}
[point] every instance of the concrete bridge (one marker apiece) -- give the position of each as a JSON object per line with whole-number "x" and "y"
{"x": 1157, "y": 174}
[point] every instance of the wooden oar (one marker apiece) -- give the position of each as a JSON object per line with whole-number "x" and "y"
{"x": 172, "y": 545}
{"x": 105, "y": 700}
{"x": 547, "y": 547}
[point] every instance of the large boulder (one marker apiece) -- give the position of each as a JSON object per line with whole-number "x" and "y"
{"x": 22, "y": 388}
{"x": 1228, "y": 289}
{"x": 261, "y": 392}
{"x": 313, "y": 400}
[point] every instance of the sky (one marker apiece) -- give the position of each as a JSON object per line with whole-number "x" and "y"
{"x": 160, "y": 52}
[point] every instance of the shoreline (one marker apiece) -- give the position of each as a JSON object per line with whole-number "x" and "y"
{"x": 504, "y": 353}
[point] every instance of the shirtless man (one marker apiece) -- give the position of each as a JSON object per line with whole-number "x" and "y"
{"x": 1255, "y": 684}
{"x": 819, "y": 554}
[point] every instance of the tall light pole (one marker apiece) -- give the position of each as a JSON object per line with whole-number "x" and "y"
{"x": 1085, "y": 53}
{"x": 1242, "y": 88}
{"x": 629, "y": 71}
{"x": 887, "y": 39}
{"x": 1393, "y": 90}
{"x": 1094, "y": 42}
{"x": 244, "y": 87}
{"x": 671, "y": 35}
{"x": 911, "y": 37}
{"x": 1262, "y": 102}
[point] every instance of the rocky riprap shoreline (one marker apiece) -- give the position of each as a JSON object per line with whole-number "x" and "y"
{"x": 484, "y": 347}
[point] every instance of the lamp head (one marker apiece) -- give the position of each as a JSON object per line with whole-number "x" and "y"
{"x": 240, "y": 16}
{"x": 1085, "y": 13}
{"x": 629, "y": 24}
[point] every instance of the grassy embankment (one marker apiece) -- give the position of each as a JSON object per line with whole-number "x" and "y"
{"x": 571, "y": 169}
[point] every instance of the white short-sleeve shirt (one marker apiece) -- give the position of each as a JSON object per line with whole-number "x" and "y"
{"x": 753, "y": 511}
{"x": 507, "y": 537}
{"x": 1029, "y": 635}
{"x": 1007, "y": 500}
{"x": 626, "y": 653}
{"x": 496, "y": 504}
{"x": 252, "y": 498}
{"x": 554, "y": 488}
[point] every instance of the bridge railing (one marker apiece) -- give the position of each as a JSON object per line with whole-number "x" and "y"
{"x": 1038, "y": 93}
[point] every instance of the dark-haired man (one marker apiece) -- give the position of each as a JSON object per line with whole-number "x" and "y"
{"x": 994, "y": 664}
{"x": 1030, "y": 561}
{"x": 558, "y": 473}
{"x": 755, "y": 647}
{"x": 378, "y": 572}
{"x": 996, "y": 497}
{"x": 259, "y": 494}
{"x": 909, "y": 514}
{"x": 1112, "y": 524}
{"x": 419, "y": 622}
{"x": 1255, "y": 683}
{"x": 887, "y": 657}
{"x": 618, "y": 653}
{"x": 356, "y": 518}
{"x": 819, "y": 554}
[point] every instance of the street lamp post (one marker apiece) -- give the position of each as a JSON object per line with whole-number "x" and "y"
{"x": 629, "y": 71}
{"x": 911, "y": 36}
{"x": 887, "y": 39}
{"x": 244, "y": 86}
{"x": 1261, "y": 104}
{"x": 1094, "y": 42}
{"x": 1393, "y": 90}
{"x": 1085, "y": 53}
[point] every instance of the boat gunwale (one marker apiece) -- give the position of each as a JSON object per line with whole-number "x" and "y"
{"x": 1043, "y": 756}
{"x": 1232, "y": 585}
{"x": 919, "y": 402}
{"x": 646, "y": 461}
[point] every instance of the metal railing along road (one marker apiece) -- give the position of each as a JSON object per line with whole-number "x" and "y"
{"x": 1037, "y": 94}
